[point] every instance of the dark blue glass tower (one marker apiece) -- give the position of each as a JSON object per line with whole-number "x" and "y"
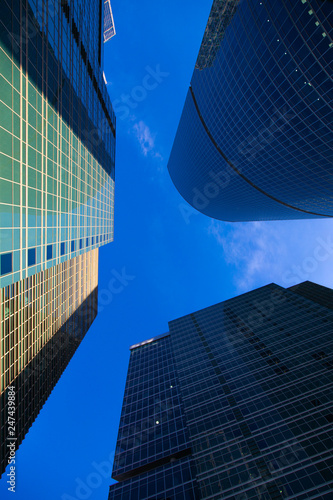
{"x": 234, "y": 403}
{"x": 153, "y": 454}
{"x": 254, "y": 141}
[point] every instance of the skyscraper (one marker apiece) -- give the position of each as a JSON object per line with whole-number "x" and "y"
{"x": 109, "y": 29}
{"x": 57, "y": 135}
{"x": 254, "y": 140}
{"x": 234, "y": 402}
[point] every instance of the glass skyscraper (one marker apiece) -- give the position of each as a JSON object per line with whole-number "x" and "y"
{"x": 234, "y": 402}
{"x": 57, "y": 147}
{"x": 254, "y": 140}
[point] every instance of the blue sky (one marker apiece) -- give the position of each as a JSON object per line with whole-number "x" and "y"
{"x": 171, "y": 261}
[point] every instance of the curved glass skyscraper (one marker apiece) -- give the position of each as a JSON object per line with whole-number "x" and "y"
{"x": 254, "y": 140}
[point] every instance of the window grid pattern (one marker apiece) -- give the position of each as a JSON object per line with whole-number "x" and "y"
{"x": 255, "y": 139}
{"x": 254, "y": 376}
{"x": 310, "y": 290}
{"x": 73, "y": 31}
{"x": 35, "y": 382}
{"x": 259, "y": 426}
{"x": 175, "y": 481}
{"x": 152, "y": 425}
{"x": 109, "y": 29}
{"x": 33, "y": 310}
{"x": 57, "y": 174}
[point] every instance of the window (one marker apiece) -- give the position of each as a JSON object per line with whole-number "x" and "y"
{"x": 319, "y": 355}
{"x": 72, "y": 246}
{"x": 6, "y": 263}
{"x": 49, "y": 252}
{"x": 81, "y": 243}
{"x": 62, "y": 248}
{"x": 31, "y": 257}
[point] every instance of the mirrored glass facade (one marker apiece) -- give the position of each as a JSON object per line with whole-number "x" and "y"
{"x": 57, "y": 170}
{"x": 151, "y": 414}
{"x": 255, "y": 141}
{"x": 34, "y": 309}
{"x": 254, "y": 377}
{"x": 57, "y": 135}
{"x": 152, "y": 453}
{"x": 43, "y": 320}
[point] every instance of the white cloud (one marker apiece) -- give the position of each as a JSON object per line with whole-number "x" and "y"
{"x": 146, "y": 139}
{"x": 284, "y": 252}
